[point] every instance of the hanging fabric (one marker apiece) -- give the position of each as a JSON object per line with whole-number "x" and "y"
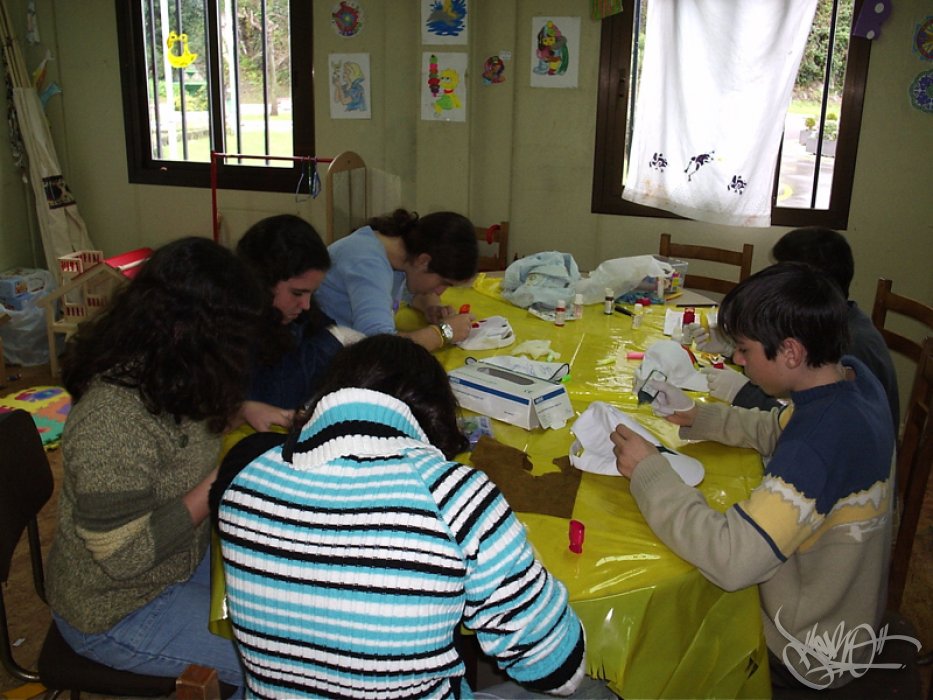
{"x": 63, "y": 231}
{"x": 715, "y": 86}
{"x": 600, "y": 9}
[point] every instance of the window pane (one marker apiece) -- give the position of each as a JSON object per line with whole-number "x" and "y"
{"x": 176, "y": 82}
{"x": 256, "y": 72}
{"x": 817, "y": 103}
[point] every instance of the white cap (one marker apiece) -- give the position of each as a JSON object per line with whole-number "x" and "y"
{"x": 561, "y": 303}
{"x": 609, "y": 292}
{"x": 578, "y": 299}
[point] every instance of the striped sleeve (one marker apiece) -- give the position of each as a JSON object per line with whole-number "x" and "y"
{"x": 518, "y": 610}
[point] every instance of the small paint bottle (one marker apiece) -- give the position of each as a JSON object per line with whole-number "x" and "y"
{"x": 608, "y": 301}
{"x": 638, "y": 312}
{"x": 578, "y": 307}
{"x": 560, "y": 312}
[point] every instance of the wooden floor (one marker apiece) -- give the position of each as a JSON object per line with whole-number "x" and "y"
{"x": 29, "y": 616}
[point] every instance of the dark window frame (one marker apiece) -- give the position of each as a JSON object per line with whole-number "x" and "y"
{"x": 142, "y": 168}
{"x": 614, "y": 92}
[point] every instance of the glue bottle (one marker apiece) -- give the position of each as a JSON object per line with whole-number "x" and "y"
{"x": 560, "y": 312}
{"x": 608, "y": 301}
{"x": 578, "y": 306}
{"x": 638, "y": 312}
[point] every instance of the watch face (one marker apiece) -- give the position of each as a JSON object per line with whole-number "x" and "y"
{"x": 447, "y": 331}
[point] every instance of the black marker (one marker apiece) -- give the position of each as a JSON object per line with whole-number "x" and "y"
{"x": 623, "y": 310}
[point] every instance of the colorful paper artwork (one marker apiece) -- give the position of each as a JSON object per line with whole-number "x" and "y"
{"x": 184, "y": 58}
{"x": 493, "y": 70}
{"x": 921, "y": 92}
{"x": 350, "y": 86}
{"x": 347, "y": 18}
{"x": 443, "y": 86}
{"x": 444, "y": 21}
{"x": 555, "y": 51}
{"x": 923, "y": 39}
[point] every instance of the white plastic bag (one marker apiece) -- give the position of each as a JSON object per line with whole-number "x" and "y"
{"x": 25, "y": 340}
{"x": 621, "y": 275}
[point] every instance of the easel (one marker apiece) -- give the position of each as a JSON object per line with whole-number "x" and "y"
{"x": 217, "y": 156}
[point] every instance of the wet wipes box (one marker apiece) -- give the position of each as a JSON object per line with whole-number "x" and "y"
{"x": 511, "y": 397}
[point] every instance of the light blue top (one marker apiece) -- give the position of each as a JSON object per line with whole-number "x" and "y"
{"x": 361, "y": 290}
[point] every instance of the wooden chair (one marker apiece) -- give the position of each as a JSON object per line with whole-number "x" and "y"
{"x": 345, "y": 187}
{"x": 27, "y": 487}
{"x": 915, "y": 456}
{"x": 495, "y": 241}
{"x": 741, "y": 259}
{"x": 914, "y": 459}
{"x": 4, "y": 318}
{"x": 885, "y": 301}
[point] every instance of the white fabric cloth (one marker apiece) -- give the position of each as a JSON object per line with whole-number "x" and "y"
{"x": 671, "y": 360}
{"x": 715, "y": 86}
{"x": 488, "y": 334}
{"x": 592, "y": 450}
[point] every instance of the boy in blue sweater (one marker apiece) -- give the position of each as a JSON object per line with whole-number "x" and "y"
{"x": 815, "y": 534}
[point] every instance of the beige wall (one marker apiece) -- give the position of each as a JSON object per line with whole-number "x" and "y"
{"x": 524, "y": 154}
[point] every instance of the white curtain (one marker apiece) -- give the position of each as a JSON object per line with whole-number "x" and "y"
{"x": 716, "y": 83}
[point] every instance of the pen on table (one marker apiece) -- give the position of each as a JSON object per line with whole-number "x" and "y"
{"x": 696, "y": 306}
{"x": 623, "y": 310}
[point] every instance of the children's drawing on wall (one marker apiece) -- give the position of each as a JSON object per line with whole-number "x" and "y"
{"x": 444, "y": 21}
{"x": 555, "y": 51}
{"x": 443, "y": 86}
{"x": 347, "y": 18}
{"x": 494, "y": 70}
{"x": 350, "y": 90}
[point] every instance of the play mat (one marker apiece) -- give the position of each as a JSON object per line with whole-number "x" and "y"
{"x": 48, "y": 405}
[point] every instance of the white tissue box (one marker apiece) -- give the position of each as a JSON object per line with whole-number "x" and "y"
{"x": 511, "y": 397}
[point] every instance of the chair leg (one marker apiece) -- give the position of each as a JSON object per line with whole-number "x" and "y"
{"x": 198, "y": 683}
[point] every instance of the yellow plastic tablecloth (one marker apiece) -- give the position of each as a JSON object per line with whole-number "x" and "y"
{"x": 655, "y": 627}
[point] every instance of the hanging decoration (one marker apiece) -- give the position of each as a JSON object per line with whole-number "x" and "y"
{"x": 444, "y": 87}
{"x": 555, "y": 48}
{"x": 444, "y": 21}
{"x": 921, "y": 92}
{"x": 347, "y": 19}
{"x": 350, "y": 83}
{"x": 493, "y": 70}
{"x": 600, "y": 9}
{"x": 185, "y": 58}
{"x": 32, "y": 23}
{"x": 873, "y": 14}
{"x": 923, "y": 39}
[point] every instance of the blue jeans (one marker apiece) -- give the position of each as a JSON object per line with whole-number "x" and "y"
{"x": 163, "y": 637}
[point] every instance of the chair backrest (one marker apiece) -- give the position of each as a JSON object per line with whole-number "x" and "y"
{"x": 914, "y": 459}
{"x": 26, "y": 478}
{"x": 739, "y": 258}
{"x": 27, "y": 487}
{"x": 493, "y": 247}
{"x": 885, "y": 301}
{"x": 345, "y": 189}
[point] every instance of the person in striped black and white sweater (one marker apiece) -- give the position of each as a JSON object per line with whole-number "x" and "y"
{"x": 355, "y": 550}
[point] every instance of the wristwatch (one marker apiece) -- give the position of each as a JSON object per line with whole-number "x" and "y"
{"x": 447, "y": 332}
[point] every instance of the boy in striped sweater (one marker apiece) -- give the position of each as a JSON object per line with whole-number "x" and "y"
{"x": 355, "y": 550}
